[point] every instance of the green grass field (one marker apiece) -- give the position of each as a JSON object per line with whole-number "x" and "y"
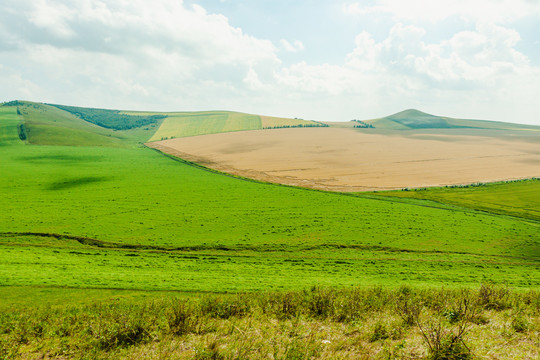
{"x": 99, "y": 235}
{"x": 135, "y": 219}
{"x": 53, "y": 125}
{"x": 517, "y": 198}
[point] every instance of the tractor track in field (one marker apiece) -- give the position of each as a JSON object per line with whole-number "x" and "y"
{"x": 140, "y": 247}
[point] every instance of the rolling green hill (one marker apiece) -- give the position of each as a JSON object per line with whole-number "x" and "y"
{"x": 414, "y": 119}
{"x": 50, "y": 124}
{"x": 111, "y": 119}
{"x": 108, "y": 213}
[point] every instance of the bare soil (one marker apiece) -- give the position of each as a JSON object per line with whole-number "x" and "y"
{"x": 341, "y": 159}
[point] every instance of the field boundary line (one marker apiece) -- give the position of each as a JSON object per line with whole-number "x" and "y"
{"x": 427, "y": 203}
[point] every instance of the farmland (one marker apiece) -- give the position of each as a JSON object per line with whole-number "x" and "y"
{"x": 179, "y": 125}
{"x": 349, "y": 159}
{"x": 91, "y": 215}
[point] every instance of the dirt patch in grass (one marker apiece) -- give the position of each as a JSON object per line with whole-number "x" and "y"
{"x": 340, "y": 159}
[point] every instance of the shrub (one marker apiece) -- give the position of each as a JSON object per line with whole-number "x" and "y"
{"x": 493, "y": 297}
{"x": 407, "y": 309}
{"x": 320, "y": 302}
{"x": 224, "y": 308}
{"x": 379, "y": 332}
{"x": 209, "y": 352}
{"x": 182, "y": 318}
{"x": 120, "y": 326}
{"x": 519, "y": 324}
{"x": 284, "y": 305}
{"x": 448, "y": 343}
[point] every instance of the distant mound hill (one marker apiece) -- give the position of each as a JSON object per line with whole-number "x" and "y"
{"x": 415, "y": 119}
{"x": 51, "y": 124}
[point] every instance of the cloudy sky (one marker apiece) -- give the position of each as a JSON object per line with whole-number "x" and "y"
{"x": 322, "y": 60}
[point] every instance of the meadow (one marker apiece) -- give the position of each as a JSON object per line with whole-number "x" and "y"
{"x": 85, "y": 226}
{"x": 513, "y": 198}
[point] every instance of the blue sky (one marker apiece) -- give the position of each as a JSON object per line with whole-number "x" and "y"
{"x": 323, "y": 60}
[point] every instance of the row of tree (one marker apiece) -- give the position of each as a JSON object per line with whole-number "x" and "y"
{"x": 296, "y": 126}
{"x": 361, "y": 124}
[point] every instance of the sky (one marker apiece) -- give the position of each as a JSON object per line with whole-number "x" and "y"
{"x": 327, "y": 60}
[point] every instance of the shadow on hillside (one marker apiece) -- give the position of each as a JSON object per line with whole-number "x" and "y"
{"x": 64, "y": 158}
{"x": 76, "y": 182}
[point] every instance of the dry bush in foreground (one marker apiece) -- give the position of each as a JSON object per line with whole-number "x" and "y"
{"x": 369, "y": 323}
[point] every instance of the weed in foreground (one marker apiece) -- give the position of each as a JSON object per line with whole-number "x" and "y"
{"x": 317, "y": 323}
{"x": 447, "y": 342}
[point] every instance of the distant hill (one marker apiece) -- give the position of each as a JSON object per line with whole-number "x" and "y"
{"x": 184, "y": 124}
{"x": 111, "y": 119}
{"x": 51, "y": 124}
{"x": 48, "y": 125}
{"x": 415, "y": 119}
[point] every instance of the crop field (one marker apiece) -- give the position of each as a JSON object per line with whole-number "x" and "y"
{"x": 201, "y": 123}
{"x": 180, "y": 125}
{"x": 342, "y": 159}
{"x": 106, "y": 219}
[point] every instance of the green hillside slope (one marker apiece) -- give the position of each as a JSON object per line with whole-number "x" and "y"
{"x": 47, "y": 125}
{"x": 514, "y": 198}
{"x": 11, "y": 130}
{"x": 111, "y": 119}
{"x": 50, "y": 124}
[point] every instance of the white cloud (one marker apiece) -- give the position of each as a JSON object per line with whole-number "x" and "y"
{"x": 252, "y": 80}
{"x": 436, "y": 10}
{"x": 165, "y": 55}
{"x": 296, "y": 46}
{"x": 53, "y": 19}
{"x": 121, "y": 49}
{"x": 480, "y": 70}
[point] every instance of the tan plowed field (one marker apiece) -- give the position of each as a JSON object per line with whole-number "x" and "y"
{"x": 342, "y": 159}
